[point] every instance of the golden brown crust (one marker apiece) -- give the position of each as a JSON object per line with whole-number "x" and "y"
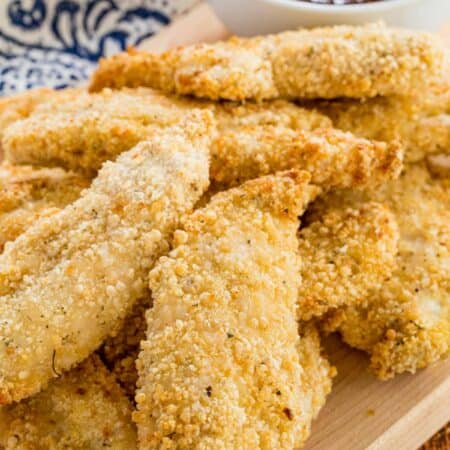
{"x": 83, "y": 133}
{"x": 340, "y": 61}
{"x": 221, "y": 366}
{"x": 26, "y": 194}
{"x": 439, "y": 165}
{"x": 84, "y": 409}
{"x": 251, "y": 140}
{"x": 334, "y": 158}
{"x": 70, "y": 279}
{"x": 317, "y": 371}
{"x": 421, "y": 122}
{"x": 20, "y": 106}
{"x": 346, "y": 253}
{"x": 406, "y": 324}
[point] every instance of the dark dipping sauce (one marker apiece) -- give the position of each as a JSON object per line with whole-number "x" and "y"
{"x": 340, "y": 2}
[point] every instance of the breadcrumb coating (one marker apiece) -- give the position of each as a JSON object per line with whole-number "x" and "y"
{"x": 251, "y": 139}
{"x": 221, "y": 367}
{"x": 71, "y": 412}
{"x": 317, "y": 373}
{"x": 345, "y": 255}
{"x": 83, "y": 133}
{"x": 120, "y": 352}
{"x": 334, "y": 158}
{"x": 329, "y": 62}
{"x": 422, "y": 125}
{"x": 22, "y": 105}
{"x": 84, "y": 409}
{"x": 26, "y": 194}
{"x": 405, "y": 325}
{"x": 68, "y": 282}
{"x": 439, "y": 165}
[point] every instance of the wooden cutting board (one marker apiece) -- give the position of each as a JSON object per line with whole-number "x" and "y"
{"x": 361, "y": 412}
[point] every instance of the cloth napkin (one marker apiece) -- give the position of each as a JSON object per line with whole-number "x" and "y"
{"x": 56, "y": 43}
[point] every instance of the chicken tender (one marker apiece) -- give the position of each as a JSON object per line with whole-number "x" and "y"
{"x": 121, "y": 352}
{"x": 27, "y": 194}
{"x": 251, "y": 140}
{"x": 223, "y": 365}
{"x": 330, "y": 62}
{"x": 334, "y": 158}
{"x": 423, "y": 126}
{"x": 68, "y": 282}
{"x": 346, "y": 253}
{"x": 84, "y": 133}
{"x": 22, "y": 105}
{"x": 84, "y": 409}
{"x": 405, "y": 325}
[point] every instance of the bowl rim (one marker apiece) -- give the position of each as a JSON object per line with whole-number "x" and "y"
{"x": 376, "y": 6}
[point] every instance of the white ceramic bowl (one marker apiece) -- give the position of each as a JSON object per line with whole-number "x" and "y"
{"x": 251, "y": 17}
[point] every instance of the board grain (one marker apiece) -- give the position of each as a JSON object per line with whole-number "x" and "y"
{"x": 365, "y": 413}
{"x": 361, "y": 412}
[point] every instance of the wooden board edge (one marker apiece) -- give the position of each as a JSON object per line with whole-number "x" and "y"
{"x": 413, "y": 429}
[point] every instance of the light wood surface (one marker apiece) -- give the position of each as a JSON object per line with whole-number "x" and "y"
{"x": 361, "y": 412}
{"x": 199, "y": 25}
{"x": 365, "y": 413}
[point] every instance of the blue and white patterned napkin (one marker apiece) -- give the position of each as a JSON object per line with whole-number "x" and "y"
{"x": 56, "y": 43}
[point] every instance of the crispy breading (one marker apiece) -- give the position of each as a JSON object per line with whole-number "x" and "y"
{"x": 421, "y": 123}
{"x": 26, "y": 194}
{"x": 84, "y": 409}
{"x": 83, "y": 133}
{"x": 329, "y": 62}
{"x": 91, "y": 129}
{"x": 120, "y": 352}
{"x": 334, "y": 158}
{"x": 317, "y": 373}
{"x": 346, "y": 253}
{"x": 406, "y": 324}
{"x": 439, "y": 165}
{"x": 69, "y": 280}
{"x": 22, "y": 105}
{"x": 222, "y": 365}
{"x": 251, "y": 139}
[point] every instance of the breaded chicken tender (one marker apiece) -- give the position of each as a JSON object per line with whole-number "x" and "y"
{"x": 91, "y": 129}
{"x": 223, "y": 366}
{"x": 83, "y": 133}
{"x": 251, "y": 139}
{"x": 84, "y": 409}
{"x": 421, "y": 125}
{"x": 334, "y": 158}
{"x": 68, "y": 282}
{"x": 121, "y": 352}
{"x": 346, "y": 253}
{"x": 405, "y": 325}
{"x": 22, "y": 105}
{"x": 330, "y": 62}
{"x": 27, "y": 194}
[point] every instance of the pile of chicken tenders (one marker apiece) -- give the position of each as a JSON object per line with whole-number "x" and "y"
{"x": 177, "y": 239}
